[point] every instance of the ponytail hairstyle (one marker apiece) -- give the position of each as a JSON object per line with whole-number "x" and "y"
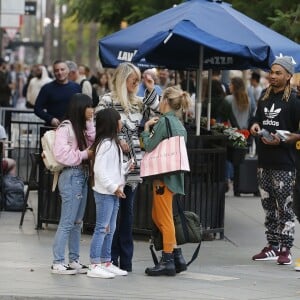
{"x": 177, "y": 98}
{"x": 76, "y": 114}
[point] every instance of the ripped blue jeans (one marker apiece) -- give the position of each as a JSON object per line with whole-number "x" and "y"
{"x": 72, "y": 186}
{"x": 107, "y": 207}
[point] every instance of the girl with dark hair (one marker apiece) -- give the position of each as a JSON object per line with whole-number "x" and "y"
{"x": 73, "y": 138}
{"x": 109, "y": 181}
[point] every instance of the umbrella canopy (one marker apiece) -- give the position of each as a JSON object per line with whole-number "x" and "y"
{"x": 172, "y": 38}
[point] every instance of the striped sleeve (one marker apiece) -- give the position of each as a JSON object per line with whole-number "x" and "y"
{"x": 104, "y": 102}
{"x": 151, "y": 99}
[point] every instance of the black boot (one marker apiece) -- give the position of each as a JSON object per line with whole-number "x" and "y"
{"x": 166, "y": 266}
{"x": 180, "y": 264}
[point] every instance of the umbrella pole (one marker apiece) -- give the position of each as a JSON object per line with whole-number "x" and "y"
{"x": 209, "y": 98}
{"x": 188, "y": 89}
{"x": 199, "y": 91}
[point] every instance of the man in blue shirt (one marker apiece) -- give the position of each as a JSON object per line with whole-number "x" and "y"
{"x": 54, "y": 97}
{"x": 142, "y": 86}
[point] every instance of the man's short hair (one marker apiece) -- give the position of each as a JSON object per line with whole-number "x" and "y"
{"x": 58, "y": 61}
{"x": 71, "y": 65}
{"x": 255, "y": 76}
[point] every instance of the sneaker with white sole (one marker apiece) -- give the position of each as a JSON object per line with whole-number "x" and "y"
{"x": 62, "y": 269}
{"x": 108, "y": 266}
{"x": 80, "y": 268}
{"x": 285, "y": 257}
{"x": 96, "y": 270}
{"x": 268, "y": 253}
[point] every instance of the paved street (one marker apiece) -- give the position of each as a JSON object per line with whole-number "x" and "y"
{"x": 223, "y": 270}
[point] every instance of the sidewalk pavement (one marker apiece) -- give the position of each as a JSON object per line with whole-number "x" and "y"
{"x": 223, "y": 270}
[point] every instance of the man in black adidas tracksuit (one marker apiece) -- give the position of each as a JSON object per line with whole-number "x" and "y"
{"x": 278, "y": 109}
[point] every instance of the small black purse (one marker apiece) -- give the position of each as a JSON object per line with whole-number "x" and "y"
{"x": 187, "y": 229}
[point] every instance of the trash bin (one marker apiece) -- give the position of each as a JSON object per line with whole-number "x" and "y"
{"x": 49, "y": 203}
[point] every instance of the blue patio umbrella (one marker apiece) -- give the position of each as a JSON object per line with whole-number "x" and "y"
{"x": 198, "y": 34}
{"x": 230, "y": 40}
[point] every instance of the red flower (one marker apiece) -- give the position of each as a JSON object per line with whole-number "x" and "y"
{"x": 213, "y": 122}
{"x": 244, "y": 132}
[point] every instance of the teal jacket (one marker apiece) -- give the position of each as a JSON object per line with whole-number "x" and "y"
{"x": 174, "y": 182}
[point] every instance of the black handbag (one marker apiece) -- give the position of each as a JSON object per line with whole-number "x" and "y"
{"x": 188, "y": 229}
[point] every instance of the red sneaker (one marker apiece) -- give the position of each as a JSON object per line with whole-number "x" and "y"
{"x": 268, "y": 253}
{"x": 285, "y": 257}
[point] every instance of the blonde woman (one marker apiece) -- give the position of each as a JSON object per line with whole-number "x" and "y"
{"x": 165, "y": 186}
{"x": 132, "y": 109}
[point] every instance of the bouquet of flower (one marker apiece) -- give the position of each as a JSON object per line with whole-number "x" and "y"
{"x": 220, "y": 127}
{"x": 238, "y": 137}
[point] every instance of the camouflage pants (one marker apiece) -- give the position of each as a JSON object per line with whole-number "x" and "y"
{"x": 276, "y": 189}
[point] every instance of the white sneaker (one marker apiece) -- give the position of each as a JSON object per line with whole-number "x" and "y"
{"x": 96, "y": 270}
{"x": 80, "y": 268}
{"x": 62, "y": 269}
{"x": 113, "y": 269}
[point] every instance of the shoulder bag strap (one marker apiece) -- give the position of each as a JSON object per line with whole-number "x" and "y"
{"x": 82, "y": 82}
{"x": 168, "y": 125}
{"x": 184, "y": 226}
{"x": 182, "y": 219}
{"x": 185, "y": 230}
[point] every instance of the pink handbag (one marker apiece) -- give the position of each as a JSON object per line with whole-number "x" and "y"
{"x": 169, "y": 156}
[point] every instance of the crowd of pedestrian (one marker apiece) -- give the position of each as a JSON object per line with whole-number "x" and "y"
{"x": 99, "y": 119}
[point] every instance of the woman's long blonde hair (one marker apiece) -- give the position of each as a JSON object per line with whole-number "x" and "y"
{"x": 119, "y": 86}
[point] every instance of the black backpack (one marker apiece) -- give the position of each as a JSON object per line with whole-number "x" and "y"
{"x": 13, "y": 193}
{"x": 95, "y": 96}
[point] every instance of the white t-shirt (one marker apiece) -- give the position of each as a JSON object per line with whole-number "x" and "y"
{"x": 109, "y": 169}
{"x": 2, "y": 133}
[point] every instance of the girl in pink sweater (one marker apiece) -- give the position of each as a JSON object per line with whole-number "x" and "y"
{"x": 71, "y": 148}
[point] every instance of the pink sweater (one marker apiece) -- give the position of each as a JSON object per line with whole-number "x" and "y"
{"x": 66, "y": 149}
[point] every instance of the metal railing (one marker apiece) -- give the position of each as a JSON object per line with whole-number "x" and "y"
{"x": 23, "y": 130}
